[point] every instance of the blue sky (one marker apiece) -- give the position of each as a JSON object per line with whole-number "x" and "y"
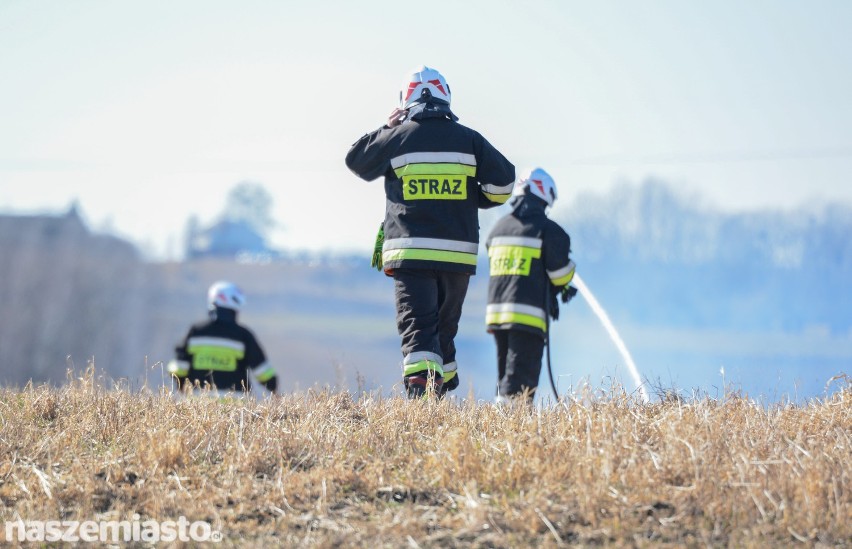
{"x": 148, "y": 112}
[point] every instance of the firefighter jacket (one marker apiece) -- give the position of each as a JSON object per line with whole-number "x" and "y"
{"x": 220, "y": 352}
{"x": 438, "y": 173}
{"x": 527, "y": 252}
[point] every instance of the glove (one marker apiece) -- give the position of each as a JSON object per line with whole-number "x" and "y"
{"x": 553, "y": 306}
{"x": 376, "y": 260}
{"x": 567, "y": 293}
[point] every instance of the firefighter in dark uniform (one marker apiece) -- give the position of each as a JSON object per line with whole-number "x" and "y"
{"x": 218, "y": 354}
{"x": 437, "y": 173}
{"x": 529, "y": 267}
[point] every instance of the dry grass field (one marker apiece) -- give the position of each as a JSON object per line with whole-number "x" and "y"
{"x": 326, "y": 469}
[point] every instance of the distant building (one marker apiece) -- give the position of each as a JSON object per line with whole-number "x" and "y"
{"x": 43, "y": 227}
{"x": 47, "y": 232}
{"x": 232, "y": 239}
{"x": 71, "y": 296}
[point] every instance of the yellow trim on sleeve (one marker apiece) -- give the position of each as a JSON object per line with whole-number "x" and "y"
{"x": 266, "y": 374}
{"x": 498, "y": 198}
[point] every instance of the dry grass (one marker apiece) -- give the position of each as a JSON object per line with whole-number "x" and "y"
{"x": 324, "y": 469}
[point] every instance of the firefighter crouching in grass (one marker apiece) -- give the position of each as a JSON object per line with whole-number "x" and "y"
{"x": 218, "y": 354}
{"x": 529, "y": 266}
{"x": 437, "y": 174}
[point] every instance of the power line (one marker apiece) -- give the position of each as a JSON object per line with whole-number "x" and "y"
{"x": 721, "y": 157}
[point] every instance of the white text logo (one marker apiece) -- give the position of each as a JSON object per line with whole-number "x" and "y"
{"x": 110, "y": 531}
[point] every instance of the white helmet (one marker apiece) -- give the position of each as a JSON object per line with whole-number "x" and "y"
{"x": 539, "y": 183}
{"x": 423, "y": 85}
{"x": 225, "y": 294}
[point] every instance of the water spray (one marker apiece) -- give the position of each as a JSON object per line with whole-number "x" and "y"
{"x": 613, "y": 334}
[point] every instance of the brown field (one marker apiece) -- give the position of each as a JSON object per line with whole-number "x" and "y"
{"x": 328, "y": 469}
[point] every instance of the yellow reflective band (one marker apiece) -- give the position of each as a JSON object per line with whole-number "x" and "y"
{"x": 561, "y": 277}
{"x": 498, "y": 198}
{"x": 220, "y": 359}
{"x": 434, "y": 187}
{"x": 507, "y": 317}
{"x": 421, "y": 366}
{"x": 563, "y": 280}
{"x": 512, "y": 260}
{"x": 442, "y": 168}
{"x": 266, "y": 374}
{"x": 449, "y": 375}
{"x": 429, "y": 255}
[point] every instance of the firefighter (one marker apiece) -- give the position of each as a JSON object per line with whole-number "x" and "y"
{"x": 437, "y": 174}
{"x": 529, "y": 267}
{"x": 218, "y": 354}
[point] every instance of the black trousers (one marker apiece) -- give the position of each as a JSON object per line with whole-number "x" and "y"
{"x": 518, "y": 361}
{"x": 428, "y": 309}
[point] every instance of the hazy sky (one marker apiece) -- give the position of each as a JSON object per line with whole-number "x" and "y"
{"x": 148, "y": 112}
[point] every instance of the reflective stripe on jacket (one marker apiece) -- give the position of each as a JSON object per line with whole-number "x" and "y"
{"x": 220, "y": 352}
{"x": 526, "y": 252}
{"x": 437, "y": 173}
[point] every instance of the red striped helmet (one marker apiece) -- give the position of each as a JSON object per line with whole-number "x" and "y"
{"x": 539, "y": 183}
{"x": 424, "y": 84}
{"x": 225, "y": 294}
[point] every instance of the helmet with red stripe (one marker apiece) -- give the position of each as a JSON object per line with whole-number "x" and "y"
{"x": 225, "y": 294}
{"x": 536, "y": 182}
{"x": 424, "y": 85}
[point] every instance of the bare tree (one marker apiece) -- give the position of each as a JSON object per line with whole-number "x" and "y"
{"x": 250, "y": 203}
